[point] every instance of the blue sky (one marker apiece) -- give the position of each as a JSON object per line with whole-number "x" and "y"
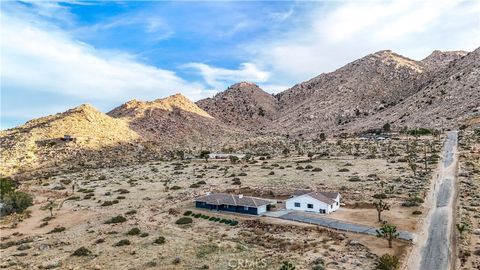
{"x": 58, "y": 55}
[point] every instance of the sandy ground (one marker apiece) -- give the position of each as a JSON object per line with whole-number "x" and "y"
{"x": 160, "y": 192}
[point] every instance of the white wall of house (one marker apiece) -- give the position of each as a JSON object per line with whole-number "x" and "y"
{"x": 336, "y": 205}
{"x": 261, "y": 209}
{"x": 305, "y": 201}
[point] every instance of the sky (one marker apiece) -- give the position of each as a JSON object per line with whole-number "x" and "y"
{"x": 56, "y": 55}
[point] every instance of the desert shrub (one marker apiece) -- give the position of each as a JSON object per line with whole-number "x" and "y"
{"x": 143, "y": 234}
{"x": 120, "y": 197}
{"x": 228, "y": 221}
{"x": 380, "y": 196}
{"x": 184, "y": 220}
{"x": 201, "y": 182}
{"x": 134, "y": 231}
{"x": 116, "y": 219}
{"x": 242, "y": 174}
{"x": 354, "y": 179}
{"x": 388, "y": 262}
{"x": 343, "y": 170}
{"x": 108, "y": 203}
{"x": 131, "y": 212}
{"x": 417, "y": 212}
{"x": 197, "y": 215}
{"x": 123, "y": 242}
{"x": 14, "y": 201}
{"x": 234, "y": 223}
{"x": 317, "y": 170}
{"x": 217, "y": 219}
{"x": 72, "y": 198}
{"x": 205, "y": 217}
{"x": 187, "y": 213}
{"x": 299, "y": 168}
{"x": 309, "y": 167}
{"x": 160, "y": 240}
{"x": 420, "y": 131}
{"x": 175, "y": 188}
{"x": 83, "y": 251}
{"x": 412, "y": 201}
{"x": 195, "y": 185}
{"x": 123, "y": 191}
{"x": 57, "y": 230}
{"x": 271, "y": 173}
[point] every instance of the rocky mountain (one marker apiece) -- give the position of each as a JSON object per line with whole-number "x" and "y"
{"x": 359, "y": 89}
{"x": 439, "y": 60}
{"x": 448, "y": 99}
{"x": 242, "y": 105}
{"x": 442, "y": 90}
{"x": 174, "y": 121}
{"x": 39, "y": 142}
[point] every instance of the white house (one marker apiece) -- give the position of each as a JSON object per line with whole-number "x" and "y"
{"x": 311, "y": 201}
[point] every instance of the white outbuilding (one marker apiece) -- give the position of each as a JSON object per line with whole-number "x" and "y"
{"x": 311, "y": 201}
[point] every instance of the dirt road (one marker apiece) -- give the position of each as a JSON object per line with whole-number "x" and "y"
{"x": 433, "y": 250}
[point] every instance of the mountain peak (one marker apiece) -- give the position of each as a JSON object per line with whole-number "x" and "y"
{"x": 134, "y": 107}
{"x": 440, "y": 59}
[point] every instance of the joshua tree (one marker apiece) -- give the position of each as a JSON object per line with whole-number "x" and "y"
{"x": 388, "y": 232}
{"x": 205, "y": 154}
{"x": 381, "y": 206}
{"x": 413, "y": 165}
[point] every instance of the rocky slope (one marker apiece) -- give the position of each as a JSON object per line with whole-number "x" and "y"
{"x": 39, "y": 141}
{"x": 359, "y": 89}
{"x": 242, "y": 105}
{"x": 448, "y": 99}
{"x": 174, "y": 122}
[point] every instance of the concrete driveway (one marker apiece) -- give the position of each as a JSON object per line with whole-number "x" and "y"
{"x": 336, "y": 224}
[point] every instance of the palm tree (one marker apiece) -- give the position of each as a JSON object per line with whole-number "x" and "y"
{"x": 388, "y": 232}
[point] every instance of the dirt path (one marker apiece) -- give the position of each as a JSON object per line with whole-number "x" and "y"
{"x": 433, "y": 249}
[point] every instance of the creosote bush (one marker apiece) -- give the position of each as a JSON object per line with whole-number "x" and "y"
{"x": 116, "y": 219}
{"x": 83, "y": 251}
{"x": 123, "y": 242}
{"x": 184, "y": 220}
{"x": 134, "y": 231}
{"x": 160, "y": 240}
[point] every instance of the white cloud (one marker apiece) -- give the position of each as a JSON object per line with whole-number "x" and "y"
{"x": 219, "y": 78}
{"x": 38, "y": 57}
{"x": 336, "y": 33}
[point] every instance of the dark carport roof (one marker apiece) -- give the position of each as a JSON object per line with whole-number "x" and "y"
{"x": 231, "y": 199}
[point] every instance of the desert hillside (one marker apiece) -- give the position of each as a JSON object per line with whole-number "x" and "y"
{"x": 242, "y": 105}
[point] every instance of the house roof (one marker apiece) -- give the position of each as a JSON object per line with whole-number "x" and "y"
{"x": 326, "y": 197}
{"x": 230, "y": 199}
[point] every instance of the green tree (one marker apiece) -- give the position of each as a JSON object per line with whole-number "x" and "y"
{"x": 462, "y": 227}
{"x": 16, "y": 202}
{"x": 6, "y": 186}
{"x": 381, "y": 206}
{"x": 388, "y": 262}
{"x": 287, "y": 266}
{"x": 386, "y": 127}
{"x": 388, "y": 232}
{"x": 205, "y": 154}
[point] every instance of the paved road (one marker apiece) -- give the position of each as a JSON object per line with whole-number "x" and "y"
{"x": 339, "y": 225}
{"x": 436, "y": 252}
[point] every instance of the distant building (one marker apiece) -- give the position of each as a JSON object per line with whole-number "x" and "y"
{"x": 67, "y": 138}
{"x": 311, "y": 201}
{"x": 233, "y": 203}
{"x": 225, "y": 156}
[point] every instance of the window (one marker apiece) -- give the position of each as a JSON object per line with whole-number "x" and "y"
{"x": 337, "y": 203}
{"x": 310, "y": 206}
{"x": 322, "y": 211}
{"x": 297, "y": 204}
